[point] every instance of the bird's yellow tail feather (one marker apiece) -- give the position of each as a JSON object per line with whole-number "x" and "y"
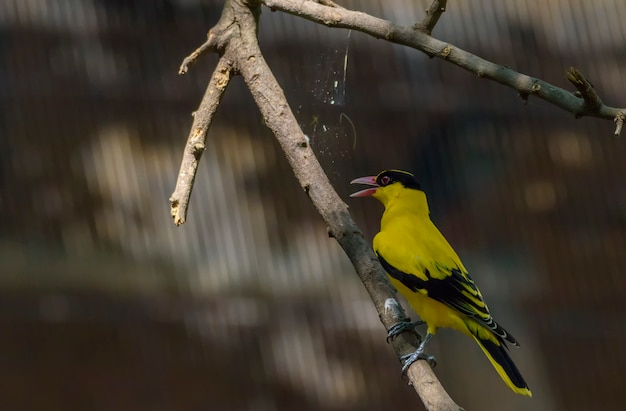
{"x": 502, "y": 362}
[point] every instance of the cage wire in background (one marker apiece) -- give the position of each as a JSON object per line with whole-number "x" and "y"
{"x": 104, "y": 299}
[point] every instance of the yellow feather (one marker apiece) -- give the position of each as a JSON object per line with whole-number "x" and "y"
{"x": 425, "y": 269}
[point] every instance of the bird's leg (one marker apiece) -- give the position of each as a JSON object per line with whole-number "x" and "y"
{"x": 418, "y": 355}
{"x": 402, "y": 326}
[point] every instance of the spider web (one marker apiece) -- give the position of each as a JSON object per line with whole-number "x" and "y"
{"x": 322, "y": 115}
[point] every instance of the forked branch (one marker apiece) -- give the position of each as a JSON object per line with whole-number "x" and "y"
{"x": 235, "y": 39}
{"x": 240, "y": 52}
{"x": 433, "y": 12}
{"x": 196, "y": 142}
{"x": 420, "y": 40}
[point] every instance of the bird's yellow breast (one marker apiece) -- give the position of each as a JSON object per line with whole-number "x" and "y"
{"x": 410, "y": 242}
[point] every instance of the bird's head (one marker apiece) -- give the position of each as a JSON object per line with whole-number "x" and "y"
{"x": 387, "y": 185}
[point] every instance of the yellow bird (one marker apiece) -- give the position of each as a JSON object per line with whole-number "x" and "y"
{"x": 428, "y": 272}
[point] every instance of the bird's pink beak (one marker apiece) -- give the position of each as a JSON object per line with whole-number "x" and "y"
{"x": 370, "y": 181}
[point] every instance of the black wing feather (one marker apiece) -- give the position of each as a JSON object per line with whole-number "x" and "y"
{"x": 457, "y": 291}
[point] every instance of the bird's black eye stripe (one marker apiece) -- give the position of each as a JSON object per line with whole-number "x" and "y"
{"x": 389, "y": 177}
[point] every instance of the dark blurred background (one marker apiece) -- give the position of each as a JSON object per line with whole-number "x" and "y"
{"x": 105, "y": 305}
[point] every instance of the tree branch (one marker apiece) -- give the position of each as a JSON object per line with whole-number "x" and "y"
{"x": 619, "y": 122}
{"x": 179, "y": 200}
{"x": 235, "y": 38}
{"x": 241, "y": 55}
{"x": 585, "y": 90}
{"x": 217, "y": 38}
{"x": 278, "y": 116}
{"x": 428, "y": 23}
{"x": 420, "y": 40}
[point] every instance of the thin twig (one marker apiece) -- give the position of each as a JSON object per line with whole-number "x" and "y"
{"x": 217, "y": 38}
{"x": 419, "y": 40}
{"x": 428, "y": 23}
{"x": 190, "y": 59}
{"x": 619, "y": 123}
{"x": 195, "y": 146}
{"x": 585, "y": 90}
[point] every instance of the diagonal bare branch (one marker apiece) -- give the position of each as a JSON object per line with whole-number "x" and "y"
{"x": 278, "y": 116}
{"x": 525, "y": 85}
{"x": 235, "y": 39}
{"x": 179, "y": 200}
{"x": 217, "y": 39}
{"x": 241, "y": 55}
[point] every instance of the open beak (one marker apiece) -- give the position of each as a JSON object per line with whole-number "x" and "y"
{"x": 370, "y": 181}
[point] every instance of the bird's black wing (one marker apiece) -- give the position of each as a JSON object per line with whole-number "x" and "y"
{"x": 453, "y": 288}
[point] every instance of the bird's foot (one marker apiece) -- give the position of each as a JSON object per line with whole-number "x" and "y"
{"x": 402, "y": 326}
{"x": 418, "y": 355}
{"x": 409, "y": 359}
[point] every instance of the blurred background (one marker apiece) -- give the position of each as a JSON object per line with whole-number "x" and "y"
{"x": 105, "y": 305}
